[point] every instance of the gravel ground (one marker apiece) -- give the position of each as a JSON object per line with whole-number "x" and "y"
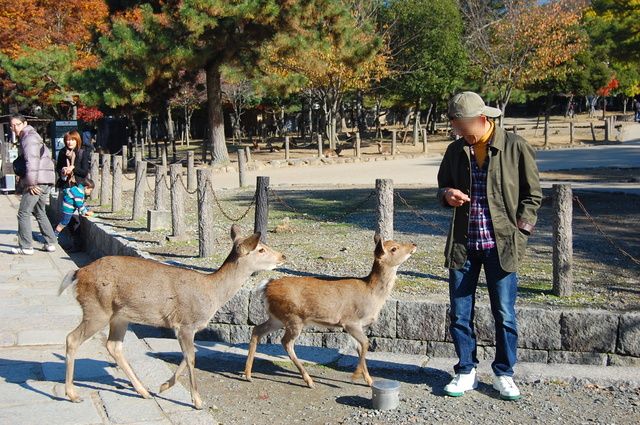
{"x": 318, "y": 238}
{"x": 277, "y": 395}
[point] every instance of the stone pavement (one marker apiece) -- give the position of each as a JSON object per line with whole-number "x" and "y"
{"x": 34, "y": 323}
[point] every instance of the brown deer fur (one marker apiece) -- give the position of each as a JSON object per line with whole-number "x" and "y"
{"x": 119, "y": 290}
{"x": 349, "y": 303}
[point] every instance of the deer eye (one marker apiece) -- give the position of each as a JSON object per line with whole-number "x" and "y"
{"x": 261, "y": 250}
{"x": 394, "y": 249}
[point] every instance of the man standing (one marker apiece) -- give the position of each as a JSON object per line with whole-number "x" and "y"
{"x": 490, "y": 179}
{"x": 35, "y": 184}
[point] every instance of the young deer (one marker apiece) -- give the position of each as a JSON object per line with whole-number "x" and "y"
{"x": 120, "y": 290}
{"x": 350, "y": 303}
{"x": 385, "y": 150}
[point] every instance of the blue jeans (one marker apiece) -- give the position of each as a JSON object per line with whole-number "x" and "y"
{"x": 503, "y": 288}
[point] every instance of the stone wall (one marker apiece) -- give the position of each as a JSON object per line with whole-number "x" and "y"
{"x": 546, "y": 335}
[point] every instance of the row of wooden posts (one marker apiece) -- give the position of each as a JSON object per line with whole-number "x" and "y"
{"x": 200, "y": 181}
{"x": 609, "y": 127}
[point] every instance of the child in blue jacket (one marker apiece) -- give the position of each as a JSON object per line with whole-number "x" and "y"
{"x": 74, "y": 199}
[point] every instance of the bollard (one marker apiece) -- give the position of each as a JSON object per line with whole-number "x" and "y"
{"x": 191, "y": 171}
{"x": 286, "y": 148}
{"x": 125, "y": 158}
{"x": 262, "y": 207}
{"x": 424, "y": 140}
{"x": 177, "y": 203}
{"x": 242, "y": 168}
{"x": 593, "y": 132}
{"x": 247, "y": 154}
{"x": 571, "y": 133}
{"x": 358, "y": 148}
{"x": 105, "y": 180}
{"x": 161, "y": 198}
{"x": 320, "y": 147}
{"x": 384, "y": 208}
{"x": 206, "y": 240}
{"x": 116, "y": 191}
{"x": 139, "y": 188}
{"x": 562, "y": 240}
{"x": 394, "y": 142}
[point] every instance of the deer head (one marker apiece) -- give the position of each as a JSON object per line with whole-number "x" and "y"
{"x": 392, "y": 253}
{"x": 249, "y": 252}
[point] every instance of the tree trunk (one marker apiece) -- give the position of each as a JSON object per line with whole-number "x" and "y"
{"x": 215, "y": 116}
{"x": 170, "y": 129}
{"x": 416, "y": 122}
{"x": 360, "y": 114}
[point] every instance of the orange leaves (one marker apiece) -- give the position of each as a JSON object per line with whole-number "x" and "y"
{"x": 606, "y": 90}
{"x": 41, "y": 23}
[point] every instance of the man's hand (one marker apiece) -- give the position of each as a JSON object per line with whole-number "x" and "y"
{"x": 34, "y": 190}
{"x": 455, "y": 197}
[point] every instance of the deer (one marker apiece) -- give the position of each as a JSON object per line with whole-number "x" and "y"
{"x": 118, "y": 290}
{"x": 351, "y": 303}
{"x": 384, "y": 150}
{"x": 328, "y": 152}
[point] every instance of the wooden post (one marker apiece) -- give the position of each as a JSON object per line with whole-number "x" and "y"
{"x": 138, "y": 157}
{"x": 571, "y": 133}
{"x": 394, "y": 142}
{"x": 157, "y": 149}
{"x": 139, "y": 188}
{"x": 358, "y": 148}
{"x": 161, "y": 197}
{"x": 424, "y": 140}
{"x": 593, "y": 132}
{"x": 173, "y": 150}
{"x": 606, "y": 129}
{"x": 206, "y": 238}
{"x": 320, "y": 145}
{"x": 384, "y": 208}
{"x": 105, "y": 180}
{"x": 562, "y": 240}
{"x": 95, "y": 167}
{"x": 242, "y": 168}
{"x": 546, "y": 131}
{"x": 177, "y": 202}
{"x": 247, "y": 154}
{"x": 262, "y": 207}
{"x": 125, "y": 158}
{"x": 191, "y": 171}
{"x": 116, "y": 192}
{"x": 164, "y": 156}
{"x": 286, "y": 148}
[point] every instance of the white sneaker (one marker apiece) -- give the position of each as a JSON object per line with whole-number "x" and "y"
{"x": 460, "y": 383}
{"x": 22, "y": 251}
{"x": 506, "y": 386}
{"x": 48, "y": 248}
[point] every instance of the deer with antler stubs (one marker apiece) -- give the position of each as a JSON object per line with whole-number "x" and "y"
{"x": 119, "y": 290}
{"x": 349, "y": 303}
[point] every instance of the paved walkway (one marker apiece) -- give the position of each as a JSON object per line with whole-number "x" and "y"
{"x": 34, "y": 323}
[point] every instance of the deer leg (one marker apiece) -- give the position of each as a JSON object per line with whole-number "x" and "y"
{"x": 361, "y": 369}
{"x": 117, "y": 331}
{"x": 265, "y": 328}
{"x": 172, "y": 381}
{"x": 291, "y": 333}
{"x": 185, "y": 338}
{"x": 85, "y": 330}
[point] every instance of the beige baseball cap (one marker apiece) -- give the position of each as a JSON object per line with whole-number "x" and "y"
{"x": 469, "y": 105}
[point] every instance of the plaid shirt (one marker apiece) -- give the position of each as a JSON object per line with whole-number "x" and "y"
{"x": 480, "y": 227}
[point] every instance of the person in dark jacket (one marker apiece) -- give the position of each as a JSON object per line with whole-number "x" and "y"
{"x": 73, "y": 160}
{"x": 489, "y": 178}
{"x": 34, "y": 185}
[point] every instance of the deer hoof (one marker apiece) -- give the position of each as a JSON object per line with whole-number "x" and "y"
{"x": 164, "y": 387}
{"x": 75, "y": 399}
{"x": 197, "y": 404}
{"x": 248, "y": 378}
{"x": 310, "y": 383}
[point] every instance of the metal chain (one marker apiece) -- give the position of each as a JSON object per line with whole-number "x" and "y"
{"x": 185, "y": 186}
{"x": 350, "y": 211}
{"x": 420, "y": 217}
{"x": 607, "y": 237}
{"x": 224, "y": 213}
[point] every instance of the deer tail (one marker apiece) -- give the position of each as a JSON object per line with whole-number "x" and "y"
{"x": 69, "y": 280}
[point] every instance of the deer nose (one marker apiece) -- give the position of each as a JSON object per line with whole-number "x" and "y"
{"x": 284, "y": 257}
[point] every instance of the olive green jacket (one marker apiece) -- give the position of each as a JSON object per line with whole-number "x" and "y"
{"x": 513, "y": 193}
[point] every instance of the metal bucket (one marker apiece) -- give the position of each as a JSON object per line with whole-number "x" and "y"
{"x": 385, "y": 394}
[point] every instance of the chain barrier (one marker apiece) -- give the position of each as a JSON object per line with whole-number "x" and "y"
{"x": 419, "y": 216}
{"x": 599, "y": 229}
{"x": 277, "y": 198}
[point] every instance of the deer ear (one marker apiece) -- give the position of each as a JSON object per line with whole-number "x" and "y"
{"x": 376, "y": 238}
{"x": 379, "y": 252}
{"x": 235, "y": 232}
{"x": 250, "y": 243}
